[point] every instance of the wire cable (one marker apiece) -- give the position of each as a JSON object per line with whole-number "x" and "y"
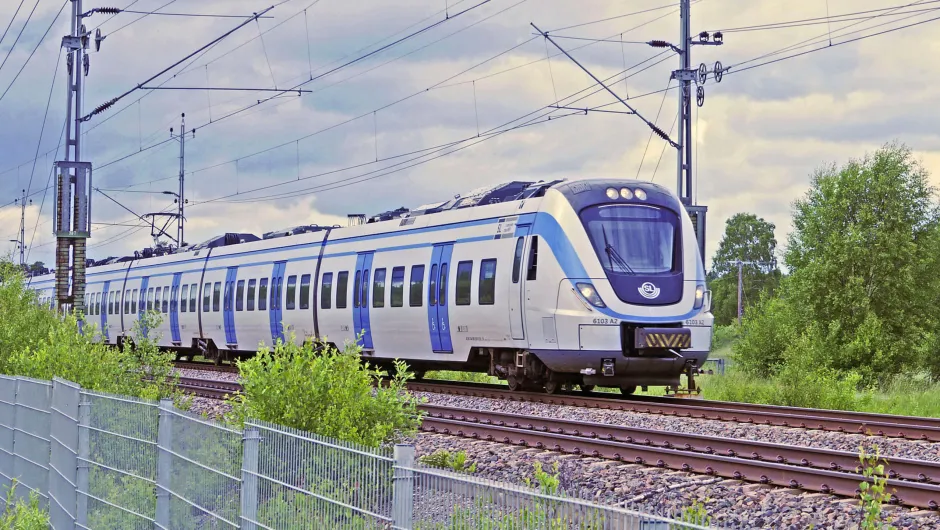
{"x": 45, "y": 115}
{"x": 819, "y": 20}
{"x": 18, "y": 35}
{"x": 15, "y": 13}
{"x": 608, "y": 19}
{"x": 34, "y": 50}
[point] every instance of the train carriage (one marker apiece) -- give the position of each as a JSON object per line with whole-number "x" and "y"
{"x": 589, "y": 282}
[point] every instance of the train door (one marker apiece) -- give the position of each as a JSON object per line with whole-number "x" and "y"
{"x": 438, "y": 300}
{"x": 274, "y": 307}
{"x": 174, "y": 309}
{"x": 516, "y": 292}
{"x": 361, "y": 318}
{"x": 104, "y": 310}
{"x": 142, "y": 303}
{"x": 228, "y": 306}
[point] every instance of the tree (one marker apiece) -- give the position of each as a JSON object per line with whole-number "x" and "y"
{"x": 863, "y": 255}
{"x": 37, "y": 268}
{"x": 747, "y": 238}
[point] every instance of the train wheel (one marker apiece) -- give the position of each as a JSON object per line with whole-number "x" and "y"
{"x": 552, "y": 386}
{"x": 627, "y": 389}
{"x": 587, "y": 388}
{"x": 515, "y": 384}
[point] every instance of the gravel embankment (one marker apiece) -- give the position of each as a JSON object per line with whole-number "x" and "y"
{"x": 208, "y": 375}
{"x": 728, "y": 502}
{"x": 890, "y": 447}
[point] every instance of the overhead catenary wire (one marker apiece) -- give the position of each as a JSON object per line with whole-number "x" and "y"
{"x": 828, "y": 19}
{"x": 45, "y": 115}
{"x": 10, "y": 25}
{"x": 38, "y": 44}
{"x": 18, "y": 35}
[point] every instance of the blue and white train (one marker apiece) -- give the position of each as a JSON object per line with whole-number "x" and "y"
{"x": 586, "y": 282}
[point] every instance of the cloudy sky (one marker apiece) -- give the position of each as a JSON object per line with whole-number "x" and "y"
{"x": 436, "y": 114}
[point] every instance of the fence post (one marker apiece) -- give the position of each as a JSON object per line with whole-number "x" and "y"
{"x": 250, "y": 449}
{"x": 84, "y": 455}
{"x": 403, "y": 487}
{"x": 164, "y": 463}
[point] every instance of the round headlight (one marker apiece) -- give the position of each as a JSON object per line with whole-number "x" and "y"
{"x": 626, "y": 193}
{"x": 640, "y": 194}
{"x": 587, "y": 290}
{"x": 612, "y": 193}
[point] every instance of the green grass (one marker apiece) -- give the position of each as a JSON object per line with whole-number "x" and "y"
{"x": 908, "y": 395}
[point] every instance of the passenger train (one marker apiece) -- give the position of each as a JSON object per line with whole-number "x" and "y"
{"x": 584, "y": 282}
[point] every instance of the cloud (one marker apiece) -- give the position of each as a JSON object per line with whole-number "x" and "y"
{"x": 759, "y": 136}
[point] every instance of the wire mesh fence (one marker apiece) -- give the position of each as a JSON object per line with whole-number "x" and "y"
{"x": 103, "y": 461}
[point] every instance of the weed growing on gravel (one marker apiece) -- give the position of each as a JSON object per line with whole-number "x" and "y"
{"x": 695, "y": 514}
{"x": 548, "y": 483}
{"x": 444, "y": 459}
{"x": 873, "y": 493}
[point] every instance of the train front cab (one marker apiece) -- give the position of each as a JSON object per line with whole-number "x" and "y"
{"x": 631, "y": 306}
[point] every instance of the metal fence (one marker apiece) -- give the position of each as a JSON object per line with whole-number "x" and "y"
{"x": 102, "y": 461}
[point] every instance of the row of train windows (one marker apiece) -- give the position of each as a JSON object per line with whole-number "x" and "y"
{"x": 161, "y": 298}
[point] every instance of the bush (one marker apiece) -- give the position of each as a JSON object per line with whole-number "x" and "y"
{"x": 464, "y": 377}
{"x": 20, "y": 515}
{"x": 35, "y": 342}
{"x": 319, "y": 389}
{"x": 444, "y": 459}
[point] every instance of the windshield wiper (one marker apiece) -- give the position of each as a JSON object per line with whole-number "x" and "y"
{"x": 614, "y": 257}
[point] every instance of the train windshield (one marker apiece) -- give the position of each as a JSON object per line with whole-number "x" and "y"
{"x": 633, "y": 239}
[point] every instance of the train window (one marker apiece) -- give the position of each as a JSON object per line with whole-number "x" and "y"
{"x": 263, "y": 294}
{"x": 342, "y": 282}
{"x": 442, "y": 299}
{"x": 216, "y": 295}
{"x": 326, "y": 290}
{"x": 533, "y": 259}
{"x": 193, "y": 294}
{"x": 517, "y": 259}
{"x": 98, "y": 304}
{"x": 240, "y": 296}
{"x": 184, "y": 298}
{"x": 378, "y": 288}
{"x": 291, "y": 292}
{"x": 127, "y": 301}
{"x": 134, "y": 302}
{"x": 156, "y": 299}
{"x": 398, "y": 287}
{"x": 166, "y": 299}
{"x": 356, "y": 287}
{"x": 305, "y": 291}
{"x": 206, "y": 297}
{"x": 464, "y": 279}
{"x": 365, "y": 288}
{"x": 487, "y": 282}
{"x": 432, "y": 286}
{"x": 150, "y": 299}
{"x": 174, "y": 298}
{"x": 111, "y": 303}
{"x": 417, "y": 286}
{"x": 143, "y": 301}
{"x": 251, "y": 294}
{"x": 227, "y": 298}
{"x": 276, "y": 290}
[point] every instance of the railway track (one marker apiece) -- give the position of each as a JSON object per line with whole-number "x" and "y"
{"x": 208, "y": 367}
{"x": 911, "y": 482}
{"x": 907, "y": 427}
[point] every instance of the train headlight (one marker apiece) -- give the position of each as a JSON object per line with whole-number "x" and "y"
{"x": 612, "y": 193}
{"x": 699, "y": 296}
{"x": 626, "y": 193}
{"x": 640, "y": 194}
{"x": 590, "y": 294}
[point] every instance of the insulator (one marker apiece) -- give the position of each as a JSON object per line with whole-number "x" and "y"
{"x": 103, "y": 107}
{"x": 659, "y": 132}
{"x": 718, "y": 37}
{"x": 86, "y": 64}
{"x": 108, "y": 10}
{"x": 69, "y": 63}
{"x": 658, "y": 43}
{"x": 703, "y": 36}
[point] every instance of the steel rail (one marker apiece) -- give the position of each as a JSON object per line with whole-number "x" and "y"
{"x": 208, "y": 388}
{"x": 770, "y": 473}
{"x": 208, "y": 367}
{"x": 836, "y": 421}
{"x": 830, "y": 459}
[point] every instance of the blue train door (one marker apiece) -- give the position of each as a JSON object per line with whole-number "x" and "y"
{"x": 361, "y": 299}
{"x": 104, "y": 311}
{"x": 228, "y": 306}
{"x": 142, "y": 303}
{"x": 438, "y": 299}
{"x": 174, "y": 309}
{"x": 274, "y": 307}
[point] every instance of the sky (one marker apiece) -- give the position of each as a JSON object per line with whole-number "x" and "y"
{"x": 463, "y": 103}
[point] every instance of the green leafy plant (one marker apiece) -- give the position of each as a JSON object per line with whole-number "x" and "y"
{"x": 873, "y": 490}
{"x": 23, "y": 515}
{"x": 446, "y": 460}
{"x": 548, "y": 484}
{"x": 317, "y": 388}
{"x": 695, "y": 514}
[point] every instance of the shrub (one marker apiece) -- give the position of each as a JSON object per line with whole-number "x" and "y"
{"x": 20, "y": 515}
{"x": 467, "y": 377}
{"x": 446, "y": 460}
{"x": 873, "y": 494}
{"x": 320, "y": 389}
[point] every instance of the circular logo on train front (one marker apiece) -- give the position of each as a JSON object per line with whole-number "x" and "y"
{"x": 648, "y": 290}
